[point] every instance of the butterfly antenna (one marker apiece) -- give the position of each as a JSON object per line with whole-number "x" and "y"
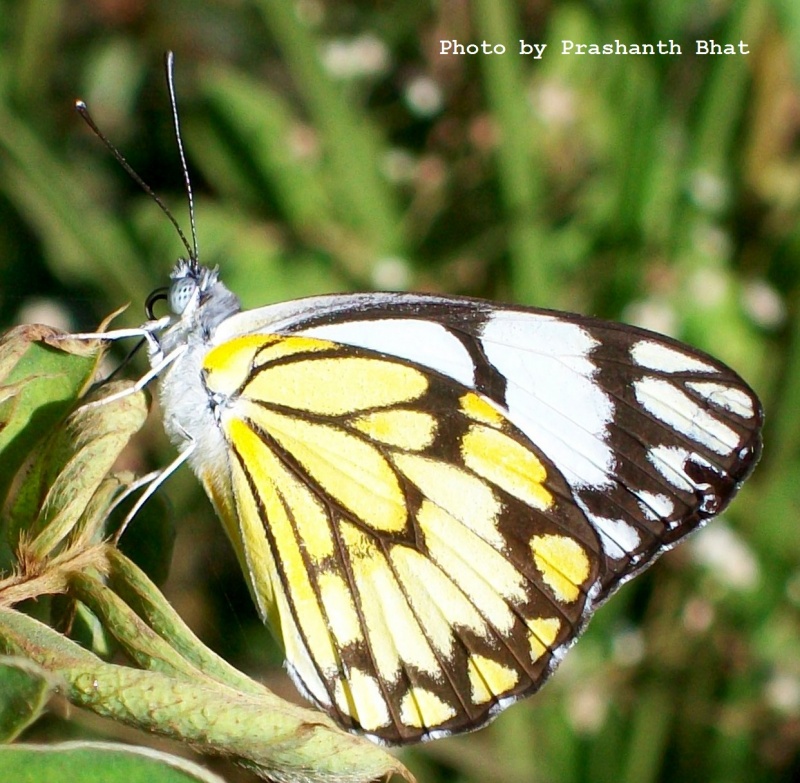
{"x": 173, "y": 102}
{"x": 81, "y": 108}
{"x": 120, "y": 367}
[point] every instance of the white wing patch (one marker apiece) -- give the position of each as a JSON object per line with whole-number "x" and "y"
{"x": 553, "y": 398}
{"x": 733, "y": 400}
{"x": 680, "y": 412}
{"x": 664, "y": 358}
{"x": 655, "y": 506}
{"x": 617, "y": 537}
{"x": 421, "y": 342}
{"x": 669, "y": 461}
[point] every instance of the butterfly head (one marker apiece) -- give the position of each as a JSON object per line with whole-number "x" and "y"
{"x": 197, "y": 296}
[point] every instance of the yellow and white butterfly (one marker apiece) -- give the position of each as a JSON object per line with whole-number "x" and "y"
{"x": 430, "y": 496}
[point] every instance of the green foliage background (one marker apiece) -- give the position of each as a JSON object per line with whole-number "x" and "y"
{"x": 332, "y": 147}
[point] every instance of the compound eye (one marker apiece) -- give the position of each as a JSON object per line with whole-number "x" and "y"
{"x": 180, "y": 294}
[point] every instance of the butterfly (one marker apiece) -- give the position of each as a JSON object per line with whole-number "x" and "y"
{"x": 430, "y": 496}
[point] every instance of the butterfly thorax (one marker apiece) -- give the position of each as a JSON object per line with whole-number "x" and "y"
{"x": 200, "y": 303}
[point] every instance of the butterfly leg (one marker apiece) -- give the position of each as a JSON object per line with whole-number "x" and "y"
{"x": 153, "y": 481}
{"x": 152, "y": 373}
{"x": 148, "y": 331}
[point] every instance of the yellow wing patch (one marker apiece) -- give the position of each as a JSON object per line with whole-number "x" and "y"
{"x": 345, "y": 467}
{"x": 563, "y": 563}
{"x": 506, "y": 463}
{"x": 406, "y": 429}
{"x": 316, "y": 385}
{"x": 361, "y": 698}
{"x": 481, "y": 410}
{"x": 463, "y": 496}
{"x": 422, "y": 708}
{"x": 270, "y": 477}
{"x": 228, "y": 366}
{"x": 542, "y": 636}
{"x": 490, "y": 679}
{"x": 436, "y": 599}
{"x": 337, "y": 600}
{"x": 394, "y": 631}
{"x": 403, "y": 537}
{"x": 488, "y": 579}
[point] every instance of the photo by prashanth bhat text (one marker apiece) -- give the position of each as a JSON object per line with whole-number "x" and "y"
{"x": 617, "y": 47}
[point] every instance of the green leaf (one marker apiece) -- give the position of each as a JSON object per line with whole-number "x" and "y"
{"x": 97, "y": 762}
{"x": 69, "y": 480}
{"x": 24, "y": 691}
{"x": 40, "y": 379}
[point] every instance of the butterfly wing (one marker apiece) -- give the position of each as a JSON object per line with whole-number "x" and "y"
{"x": 430, "y": 496}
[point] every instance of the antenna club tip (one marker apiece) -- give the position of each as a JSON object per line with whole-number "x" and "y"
{"x": 80, "y": 105}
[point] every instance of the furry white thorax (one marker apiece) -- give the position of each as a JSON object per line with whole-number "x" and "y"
{"x": 200, "y": 303}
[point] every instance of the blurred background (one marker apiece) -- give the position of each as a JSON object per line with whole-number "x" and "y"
{"x": 333, "y": 147}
